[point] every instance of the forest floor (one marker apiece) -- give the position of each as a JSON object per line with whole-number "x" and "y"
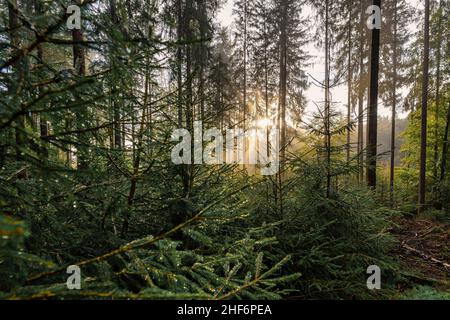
{"x": 424, "y": 253}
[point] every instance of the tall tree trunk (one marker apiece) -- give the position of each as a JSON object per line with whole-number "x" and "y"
{"x": 43, "y": 124}
{"x": 423, "y": 132}
{"x": 184, "y": 97}
{"x": 327, "y": 101}
{"x": 203, "y": 57}
{"x": 189, "y": 84}
{"x": 266, "y": 103}
{"x": 18, "y": 74}
{"x": 117, "y": 134}
{"x": 282, "y": 97}
{"x": 445, "y": 146}
{"x": 181, "y": 33}
{"x": 179, "y": 63}
{"x": 245, "y": 64}
{"x": 373, "y": 107}
{"x": 79, "y": 64}
{"x": 438, "y": 94}
{"x": 349, "y": 80}
{"x": 361, "y": 99}
{"x": 394, "y": 111}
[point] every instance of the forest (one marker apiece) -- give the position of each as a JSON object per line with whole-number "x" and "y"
{"x": 224, "y": 149}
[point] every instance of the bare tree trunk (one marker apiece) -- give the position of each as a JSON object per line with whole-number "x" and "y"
{"x": 189, "y": 82}
{"x": 203, "y": 57}
{"x": 373, "y": 107}
{"x": 394, "y": 112}
{"x": 266, "y": 99}
{"x": 117, "y": 134}
{"x": 349, "y": 81}
{"x": 282, "y": 97}
{"x": 438, "y": 94}
{"x": 361, "y": 100}
{"x": 184, "y": 97}
{"x": 179, "y": 63}
{"x": 327, "y": 102}
{"x": 43, "y": 124}
{"x": 244, "y": 106}
{"x": 79, "y": 64}
{"x": 423, "y": 133}
{"x": 445, "y": 146}
{"x": 18, "y": 72}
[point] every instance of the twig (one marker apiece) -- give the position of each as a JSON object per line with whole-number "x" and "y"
{"x": 425, "y": 256}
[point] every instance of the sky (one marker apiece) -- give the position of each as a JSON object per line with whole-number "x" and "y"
{"x": 316, "y": 69}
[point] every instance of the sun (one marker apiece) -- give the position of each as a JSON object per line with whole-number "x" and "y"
{"x": 264, "y": 123}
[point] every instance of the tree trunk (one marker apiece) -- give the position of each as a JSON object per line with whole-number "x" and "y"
{"x": 349, "y": 81}
{"x": 282, "y": 97}
{"x": 179, "y": 63}
{"x": 43, "y": 124}
{"x": 79, "y": 64}
{"x": 266, "y": 102}
{"x": 244, "y": 106}
{"x": 438, "y": 94}
{"x": 184, "y": 97}
{"x": 394, "y": 111}
{"x": 445, "y": 146}
{"x": 373, "y": 107}
{"x": 202, "y": 63}
{"x": 361, "y": 100}
{"x": 423, "y": 133}
{"x": 117, "y": 134}
{"x": 327, "y": 102}
{"x": 189, "y": 82}
{"x": 18, "y": 74}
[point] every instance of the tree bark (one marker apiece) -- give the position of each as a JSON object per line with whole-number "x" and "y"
{"x": 361, "y": 99}
{"x": 117, "y": 134}
{"x": 179, "y": 63}
{"x": 79, "y": 64}
{"x": 349, "y": 81}
{"x": 203, "y": 57}
{"x": 423, "y": 132}
{"x": 282, "y": 98}
{"x": 438, "y": 93}
{"x": 373, "y": 107}
{"x": 18, "y": 74}
{"x": 244, "y": 106}
{"x": 394, "y": 111}
{"x": 43, "y": 124}
{"x": 327, "y": 102}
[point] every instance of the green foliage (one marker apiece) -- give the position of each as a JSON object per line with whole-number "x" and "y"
{"x": 15, "y": 262}
{"x": 333, "y": 240}
{"x": 408, "y": 174}
{"x": 163, "y": 271}
{"x": 86, "y": 177}
{"x": 426, "y": 293}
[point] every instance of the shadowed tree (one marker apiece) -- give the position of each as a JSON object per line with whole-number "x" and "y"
{"x": 424, "y": 110}
{"x": 397, "y": 15}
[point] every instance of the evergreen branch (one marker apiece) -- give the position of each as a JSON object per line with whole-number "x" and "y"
{"x": 143, "y": 242}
